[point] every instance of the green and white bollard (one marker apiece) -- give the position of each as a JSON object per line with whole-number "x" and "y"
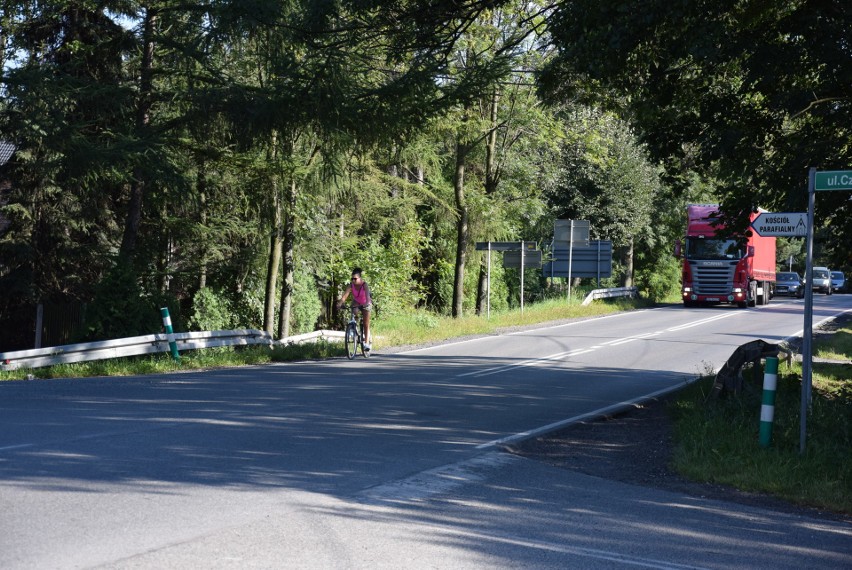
{"x": 170, "y": 333}
{"x": 767, "y": 409}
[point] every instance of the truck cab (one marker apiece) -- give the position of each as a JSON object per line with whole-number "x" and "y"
{"x": 719, "y": 267}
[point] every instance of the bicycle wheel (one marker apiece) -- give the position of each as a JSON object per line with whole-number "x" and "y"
{"x": 352, "y": 340}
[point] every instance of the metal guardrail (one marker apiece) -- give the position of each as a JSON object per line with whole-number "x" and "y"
{"x": 150, "y": 344}
{"x": 609, "y": 293}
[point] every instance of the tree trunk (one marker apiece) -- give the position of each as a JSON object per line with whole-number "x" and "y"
{"x": 143, "y": 119}
{"x": 201, "y": 186}
{"x": 289, "y": 269}
{"x": 165, "y": 257}
{"x": 492, "y": 177}
{"x": 274, "y": 261}
{"x": 482, "y": 285}
{"x": 5, "y": 27}
{"x": 461, "y": 231}
{"x": 271, "y": 278}
{"x": 491, "y": 181}
{"x": 275, "y": 237}
{"x": 627, "y": 260}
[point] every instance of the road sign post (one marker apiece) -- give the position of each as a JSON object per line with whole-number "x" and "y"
{"x": 807, "y": 331}
{"x": 512, "y": 250}
{"x": 167, "y": 324}
{"x": 817, "y": 182}
{"x": 488, "y": 286}
{"x": 571, "y": 233}
{"x": 570, "y": 259}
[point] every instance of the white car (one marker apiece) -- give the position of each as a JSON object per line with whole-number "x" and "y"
{"x": 821, "y": 280}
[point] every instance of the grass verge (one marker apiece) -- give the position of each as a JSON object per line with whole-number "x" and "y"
{"x": 423, "y": 327}
{"x": 838, "y": 348}
{"x": 717, "y": 440}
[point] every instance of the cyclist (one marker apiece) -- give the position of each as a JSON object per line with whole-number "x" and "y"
{"x": 362, "y": 299}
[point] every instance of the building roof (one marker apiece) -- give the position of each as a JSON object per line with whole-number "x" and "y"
{"x": 7, "y": 149}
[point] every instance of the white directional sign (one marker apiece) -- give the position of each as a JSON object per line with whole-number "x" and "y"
{"x": 769, "y": 224}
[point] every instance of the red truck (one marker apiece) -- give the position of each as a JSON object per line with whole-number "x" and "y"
{"x": 724, "y": 268}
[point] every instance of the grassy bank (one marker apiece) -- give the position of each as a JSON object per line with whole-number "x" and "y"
{"x": 421, "y": 328}
{"x": 717, "y": 440}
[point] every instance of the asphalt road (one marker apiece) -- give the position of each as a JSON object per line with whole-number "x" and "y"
{"x": 391, "y": 462}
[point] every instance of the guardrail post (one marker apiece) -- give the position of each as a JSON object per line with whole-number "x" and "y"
{"x": 167, "y": 323}
{"x": 767, "y": 409}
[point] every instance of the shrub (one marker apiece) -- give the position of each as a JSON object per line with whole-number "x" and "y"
{"x": 426, "y": 320}
{"x": 660, "y": 281}
{"x": 307, "y": 307}
{"x": 119, "y": 308}
{"x": 211, "y": 311}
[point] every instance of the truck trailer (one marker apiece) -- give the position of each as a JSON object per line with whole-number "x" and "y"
{"x": 721, "y": 267}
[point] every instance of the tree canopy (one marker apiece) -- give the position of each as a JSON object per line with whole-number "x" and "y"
{"x": 751, "y": 93}
{"x": 234, "y": 159}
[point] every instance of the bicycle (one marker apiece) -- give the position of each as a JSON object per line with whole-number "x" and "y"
{"x": 353, "y": 336}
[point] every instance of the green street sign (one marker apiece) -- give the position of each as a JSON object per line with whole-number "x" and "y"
{"x": 833, "y": 180}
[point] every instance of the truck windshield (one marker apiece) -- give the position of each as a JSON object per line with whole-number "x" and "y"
{"x": 713, "y": 249}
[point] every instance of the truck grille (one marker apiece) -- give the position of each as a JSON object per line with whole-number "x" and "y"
{"x": 716, "y": 279}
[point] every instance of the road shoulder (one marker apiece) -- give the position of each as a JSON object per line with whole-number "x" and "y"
{"x": 636, "y": 447}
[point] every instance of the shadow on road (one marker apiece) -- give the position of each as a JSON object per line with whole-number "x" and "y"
{"x": 332, "y": 426}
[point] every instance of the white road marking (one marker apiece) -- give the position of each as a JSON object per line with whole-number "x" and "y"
{"x": 531, "y": 362}
{"x": 21, "y": 446}
{"x": 98, "y": 435}
{"x": 436, "y": 481}
{"x": 705, "y": 321}
{"x": 593, "y": 414}
{"x": 571, "y": 324}
{"x": 556, "y": 356}
{"x": 619, "y": 341}
{"x": 585, "y": 321}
